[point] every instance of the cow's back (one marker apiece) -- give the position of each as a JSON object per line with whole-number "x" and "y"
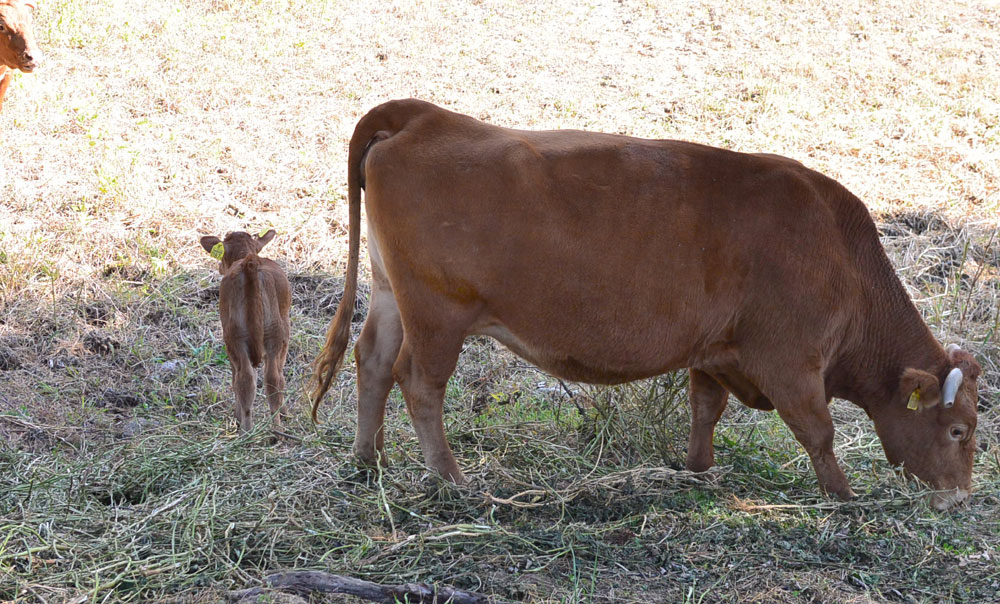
{"x": 601, "y": 257}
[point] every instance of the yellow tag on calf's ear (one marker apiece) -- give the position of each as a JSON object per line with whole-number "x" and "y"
{"x": 914, "y": 402}
{"x": 217, "y": 251}
{"x": 264, "y": 232}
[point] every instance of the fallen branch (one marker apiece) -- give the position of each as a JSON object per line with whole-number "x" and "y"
{"x": 434, "y": 534}
{"x": 309, "y": 581}
{"x": 900, "y": 500}
{"x": 612, "y": 483}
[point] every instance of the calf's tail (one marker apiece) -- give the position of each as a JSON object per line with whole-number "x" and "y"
{"x": 380, "y": 123}
{"x": 255, "y": 308}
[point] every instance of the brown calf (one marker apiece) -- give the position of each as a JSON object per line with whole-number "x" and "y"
{"x": 254, "y": 299}
{"x": 603, "y": 258}
{"x": 17, "y": 42}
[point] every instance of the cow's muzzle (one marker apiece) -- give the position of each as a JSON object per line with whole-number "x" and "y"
{"x": 943, "y": 501}
{"x": 30, "y": 61}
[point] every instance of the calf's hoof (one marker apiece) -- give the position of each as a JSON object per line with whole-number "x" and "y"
{"x": 844, "y": 493}
{"x": 371, "y": 460}
{"x": 456, "y": 476}
{"x": 699, "y": 464}
{"x": 944, "y": 501}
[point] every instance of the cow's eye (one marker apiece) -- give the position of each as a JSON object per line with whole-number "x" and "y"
{"x": 958, "y": 432}
{"x": 3, "y": 28}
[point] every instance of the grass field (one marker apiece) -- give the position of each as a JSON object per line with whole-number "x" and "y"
{"x": 122, "y": 478}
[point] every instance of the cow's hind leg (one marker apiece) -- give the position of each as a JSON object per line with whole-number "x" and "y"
{"x": 422, "y": 370}
{"x": 708, "y": 400}
{"x": 803, "y": 406}
{"x": 375, "y": 353}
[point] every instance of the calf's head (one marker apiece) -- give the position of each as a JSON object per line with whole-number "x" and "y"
{"x": 17, "y": 39}
{"x": 929, "y": 427}
{"x": 235, "y": 247}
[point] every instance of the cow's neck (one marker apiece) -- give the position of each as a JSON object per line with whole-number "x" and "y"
{"x": 888, "y": 334}
{"x": 894, "y": 338}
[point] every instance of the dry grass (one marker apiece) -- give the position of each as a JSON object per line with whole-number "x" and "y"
{"x": 152, "y": 123}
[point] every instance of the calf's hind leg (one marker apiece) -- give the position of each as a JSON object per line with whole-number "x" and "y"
{"x": 708, "y": 401}
{"x": 244, "y": 389}
{"x": 375, "y": 352}
{"x": 274, "y": 383}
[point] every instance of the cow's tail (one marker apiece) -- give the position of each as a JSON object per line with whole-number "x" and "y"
{"x": 255, "y": 308}
{"x": 378, "y": 124}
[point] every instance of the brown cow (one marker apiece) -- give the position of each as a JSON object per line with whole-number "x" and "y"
{"x": 17, "y": 42}
{"x": 254, "y": 299}
{"x": 603, "y": 258}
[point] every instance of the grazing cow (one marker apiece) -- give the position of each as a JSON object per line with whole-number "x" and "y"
{"x": 17, "y": 42}
{"x": 254, "y": 299}
{"x": 603, "y": 259}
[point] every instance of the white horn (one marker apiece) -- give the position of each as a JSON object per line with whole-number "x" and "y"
{"x": 950, "y": 348}
{"x": 951, "y": 384}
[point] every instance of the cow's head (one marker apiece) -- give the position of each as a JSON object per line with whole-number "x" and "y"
{"x": 929, "y": 427}
{"x": 17, "y": 40}
{"x": 236, "y": 246}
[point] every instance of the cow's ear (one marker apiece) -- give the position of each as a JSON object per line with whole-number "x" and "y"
{"x": 264, "y": 237}
{"x": 919, "y": 389}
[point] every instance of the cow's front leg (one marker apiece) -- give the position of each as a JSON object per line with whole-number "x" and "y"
{"x": 708, "y": 400}
{"x": 6, "y": 75}
{"x": 805, "y": 409}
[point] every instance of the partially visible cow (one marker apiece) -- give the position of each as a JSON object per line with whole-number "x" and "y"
{"x": 17, "y": 42}
{"x": 604, "y": 259}
{"x": 254, "y": 299}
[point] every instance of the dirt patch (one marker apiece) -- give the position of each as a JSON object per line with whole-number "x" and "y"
{"x": 908, "y": 223}
{"x": 99, "y": 342}
{"x": 207, "y": 297}
{"x": 125, "y": 273}
{"x": 9, "y": 359}
{"x": 120, "y": 401}
{"x": 321, "y": 295}
{"x": 936, "y": 255}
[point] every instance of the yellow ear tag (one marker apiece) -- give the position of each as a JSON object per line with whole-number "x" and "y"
{"x": 264, "y": 232}
{"x": 217, "y": 251}
{"x": 914, "y": 402}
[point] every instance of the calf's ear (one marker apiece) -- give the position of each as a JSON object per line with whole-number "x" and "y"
{"x": 263, "y": 238}
{"x": 208, "y": 242}
{"x": 919, "y": 389}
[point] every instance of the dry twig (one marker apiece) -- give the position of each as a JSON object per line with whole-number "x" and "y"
{"x": 306, "y": 582}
